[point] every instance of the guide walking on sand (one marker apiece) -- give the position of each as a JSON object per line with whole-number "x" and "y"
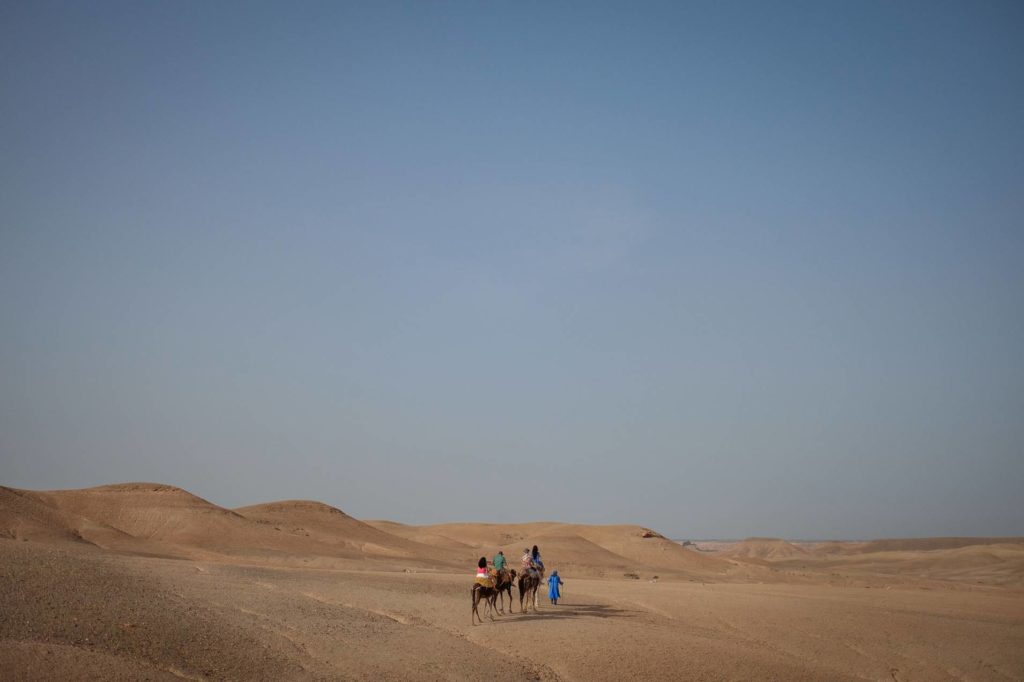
{"x": 554, "y": 585}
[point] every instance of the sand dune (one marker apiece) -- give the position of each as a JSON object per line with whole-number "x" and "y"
{"x": 929, "y": 544}
{"x": 163, "y": 519}
{"x": 640, "y": 546}
{"x": 835, "y": 547}
{"x": 26, "y": 515}
{"x": 147, "y": 581}
{"x": 153, "y": 513}
{"x": 765, "y": 548}
{"x": 995, "y": 564}
{"x": 326, "y": 525}
{"x": 593, "y": 549}
{"x": 160, "y": 519}
{"x": 908, "y": 544}
{"x": 152, "y": 518}
{"x": 977, "y": 561}
{"x": 469, "y": 535}
{"x": 424, "y": 537}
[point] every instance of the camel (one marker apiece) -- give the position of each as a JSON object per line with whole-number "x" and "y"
{"x": 488, "y": 595}
{"x": 528, "y": 584}
{"x": 505, "y": 581}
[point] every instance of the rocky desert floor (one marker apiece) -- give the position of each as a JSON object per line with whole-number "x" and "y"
{"x": 144, "y": 581}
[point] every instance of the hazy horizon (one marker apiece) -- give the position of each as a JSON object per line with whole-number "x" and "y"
{"x": 722, "y": 270}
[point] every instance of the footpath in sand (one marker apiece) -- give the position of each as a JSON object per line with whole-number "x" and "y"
{"x": 127, "y": 582}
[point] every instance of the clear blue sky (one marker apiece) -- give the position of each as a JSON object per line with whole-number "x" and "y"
{"x": 721, "y": 269}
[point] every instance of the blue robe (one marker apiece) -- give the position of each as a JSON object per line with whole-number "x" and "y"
{"x": 553, "y": 582}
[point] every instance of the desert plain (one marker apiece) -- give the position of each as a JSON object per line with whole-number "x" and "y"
{"x": 147, "y": 581}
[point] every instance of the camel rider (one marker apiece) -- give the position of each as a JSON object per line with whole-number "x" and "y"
{"x": 528, "y": 566}
{"x": 499, "y": 563}
{"x": 483, "y": 576}
{"x": 537, "y": 563}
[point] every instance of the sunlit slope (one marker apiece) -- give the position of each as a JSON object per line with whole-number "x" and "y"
{"x": 329, "y": 526}
{"x": 988, "y": 564}
{"x": 27, "y": 515}
{"x": 765, "y": 548}
{"x": 154, "y": 518}
{"x": 982, "y": 560}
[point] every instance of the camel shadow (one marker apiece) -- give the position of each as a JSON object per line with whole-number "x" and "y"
{"x": 566, "y": 611}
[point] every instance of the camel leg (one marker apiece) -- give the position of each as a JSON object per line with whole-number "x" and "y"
{"x": 488, "y": 599}
{"x": 476, "y": 604}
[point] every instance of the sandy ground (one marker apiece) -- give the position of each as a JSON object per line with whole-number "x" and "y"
{"x": 74, "y": 610}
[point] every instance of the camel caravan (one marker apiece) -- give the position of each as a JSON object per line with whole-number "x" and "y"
{"x": 495, "y": 582}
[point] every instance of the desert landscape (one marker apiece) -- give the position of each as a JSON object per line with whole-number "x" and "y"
{"x": 308, "y": 306}
{"x": 147, "y": 581}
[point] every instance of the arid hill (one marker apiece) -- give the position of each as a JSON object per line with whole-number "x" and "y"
{"x": 157, "y": 519}
{"x": 154, "y": 515}
{"x": 765, "y": 548}
{"x": 835, "y": 547}
{"x": 163, "y": 520}
{"x": 610, "y": 550}
{"x": 326, "y": 525}
{"x": 988, "y": 564}
{"x": 977, "y": 561}
{"x": 27, "y": 515}
{"x": 929, "y": 544}
{"x": 908, "y": 544}
{"x": 147, "y": 581}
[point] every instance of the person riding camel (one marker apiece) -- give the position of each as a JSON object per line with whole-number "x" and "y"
{"x": 483, "y": 576}
{"x": 499, "y": 563}
{"x": 529, "y": 566}
{"x": 535, "y": 556}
